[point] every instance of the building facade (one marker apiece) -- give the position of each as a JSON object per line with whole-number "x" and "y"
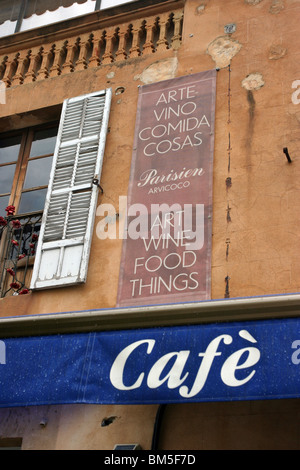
{"x": 105, "y": 110}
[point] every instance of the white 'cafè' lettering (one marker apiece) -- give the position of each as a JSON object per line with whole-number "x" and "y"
{"x": 176, "y": 376}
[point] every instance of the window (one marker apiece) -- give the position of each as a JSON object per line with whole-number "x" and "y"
{"x": 22, "y": 15}
{"x": 49, "y": 222}
{"x": 9, "y": 155}
{"x": 25, "y": 162}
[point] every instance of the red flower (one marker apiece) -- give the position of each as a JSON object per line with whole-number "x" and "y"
{"x": 15, "y": 285}
{"x": 35, "y": 237}
{"x": 14, "y": 242}
{"x": 3, "y": 222}
{"x": 10, "y": 210}
{"x": 16, "y": 224}
{"x": 23, "y": 292}
{"x": 11, "y": 271}
{"x": 31, "y": 245}
{"x": 21, "y": 256}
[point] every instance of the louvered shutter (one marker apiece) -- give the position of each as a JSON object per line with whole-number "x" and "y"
{"x": 66, "y": 231}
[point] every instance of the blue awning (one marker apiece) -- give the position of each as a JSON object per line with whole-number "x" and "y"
{"x": 213, "y": 362}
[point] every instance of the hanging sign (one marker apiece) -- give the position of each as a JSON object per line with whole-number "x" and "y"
{"x": 167, "y": 242}
{"x": 220, "y": 362}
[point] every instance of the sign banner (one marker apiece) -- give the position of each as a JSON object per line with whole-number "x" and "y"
{"x": 167, "y": 241}
{"x": 219, "y": 362}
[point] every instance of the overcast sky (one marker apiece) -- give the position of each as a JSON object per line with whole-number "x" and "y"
{"x": 112, "y": 3}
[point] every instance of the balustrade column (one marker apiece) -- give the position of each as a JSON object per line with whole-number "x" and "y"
{"x": 23, "y": 60}
{"x": 151, "y": 26}
{"x": 121, "y": 53}
{"x": 135, "y": 50}
{"x": 11, "y": 67}
{"x": 58, "y": 51}
{"x": 46, "y": 54}
{"x": 71, "y": 48}
{"x": 34, "y": 58}
{"x": 97, "y": 41}
{"x": 176, "y": 39}
{"x": 3, "y": 65}
{"x": 110, "y": 38}
{"x": 85, "y": 44}
{"x": 162, "y": 43}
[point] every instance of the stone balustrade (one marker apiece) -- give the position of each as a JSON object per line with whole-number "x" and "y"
{"x": 105, "y": 46}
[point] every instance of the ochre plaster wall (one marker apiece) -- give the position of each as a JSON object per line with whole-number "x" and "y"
{"x": 78, "y": 427}
{"x": 249, "y": 425}
{"x": 255, "y": 214}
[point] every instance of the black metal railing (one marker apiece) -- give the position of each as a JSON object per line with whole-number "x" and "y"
{"x": 18, "y": 240}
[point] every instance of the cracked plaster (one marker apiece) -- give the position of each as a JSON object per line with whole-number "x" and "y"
{"x": 253, "y": 81}
{"x": 222, "y": 50}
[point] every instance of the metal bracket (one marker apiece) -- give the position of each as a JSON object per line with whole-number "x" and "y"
{"x": 286, "y": 152}
{"x": 96, "y": 183}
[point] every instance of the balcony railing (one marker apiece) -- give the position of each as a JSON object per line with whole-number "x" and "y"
{"x": 18, "y": 240}
{"x": 104, "y": 46}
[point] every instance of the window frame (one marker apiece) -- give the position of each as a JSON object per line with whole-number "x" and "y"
{"x": 17, "y": 162}
{"x": 16, "y": 261}
{"x": 17, "y": 188}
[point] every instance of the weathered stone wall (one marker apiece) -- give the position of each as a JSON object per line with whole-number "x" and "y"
{"x": 256, "y": 221}
{"x": 253, "y": 44}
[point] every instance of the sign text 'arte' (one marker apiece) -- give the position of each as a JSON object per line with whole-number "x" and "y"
{"x": 174, "y": 103}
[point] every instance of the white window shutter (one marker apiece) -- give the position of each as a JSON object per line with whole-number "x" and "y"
{"x": 66, "y": 231}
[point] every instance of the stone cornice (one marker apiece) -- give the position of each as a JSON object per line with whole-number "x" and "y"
{"x": 193, "y": 313}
